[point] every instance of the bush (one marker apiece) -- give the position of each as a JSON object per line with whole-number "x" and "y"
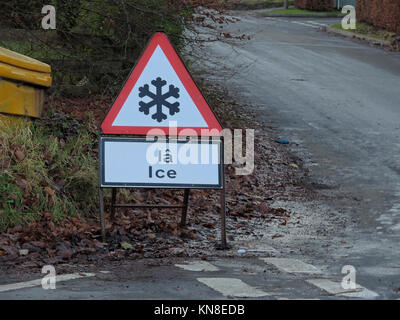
{"x": 380, "y": 13}
{"x": 96, "y": 43}
{"x": 316, "y": 5}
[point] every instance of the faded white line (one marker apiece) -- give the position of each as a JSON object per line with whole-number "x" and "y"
{"x": 38, "y": 282}
{"x": 241, "y": 266}
{"x": 305, "y": 24}
{"x": 382, "y": 271}
{"x": 317, "y": 23}
{"x": 292, "y": 265}
{"x": 283, "y": 298}
{"x": 264, "y": 250}
{"x": 335, "y": 288}
{"x": 256, "y": 247}
{"x": 198, "y": 266}
{"x": 233, "y": 287}
{"x": 277, "y": 19}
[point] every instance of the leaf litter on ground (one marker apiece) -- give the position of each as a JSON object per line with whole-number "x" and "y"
{"x": 134, "y": 233}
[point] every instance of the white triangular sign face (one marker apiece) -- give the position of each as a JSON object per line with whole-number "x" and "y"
{"x": 130, "y": 114}
{"x": 159, "y": 91}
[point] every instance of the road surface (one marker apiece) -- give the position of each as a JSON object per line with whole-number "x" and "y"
{"x": 337, "y": 100}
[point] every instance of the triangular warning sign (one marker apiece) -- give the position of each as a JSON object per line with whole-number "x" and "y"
{"x": 160, "y": 92}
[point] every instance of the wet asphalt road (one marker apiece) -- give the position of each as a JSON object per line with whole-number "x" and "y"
{"x": 335, "y": 99}
{"x": 338, "y": 102}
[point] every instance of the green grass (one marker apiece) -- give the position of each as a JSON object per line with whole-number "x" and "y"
{"x": 258, "y": 4}
{"x": 299, "y": 11}
{"x": 58, "y": 173}
{"x": 367, "y": 30}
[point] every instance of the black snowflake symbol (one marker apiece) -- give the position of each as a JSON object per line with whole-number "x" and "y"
{"x": 159, "y": 99}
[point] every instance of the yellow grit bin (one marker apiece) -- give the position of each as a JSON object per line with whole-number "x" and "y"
{"x": 22, "y": 84}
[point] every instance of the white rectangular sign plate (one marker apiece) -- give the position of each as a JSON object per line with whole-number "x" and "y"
{"x": 135, "y": 162}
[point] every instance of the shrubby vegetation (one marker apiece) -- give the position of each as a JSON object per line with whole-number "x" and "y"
{"x": 380, "y": 13}
{"x": 316, "y": 5}
{"x": 96, "y": 42}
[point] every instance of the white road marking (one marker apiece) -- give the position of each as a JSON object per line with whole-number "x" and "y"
{"x": 262, "y": 248}
{"x": 382, "y": 271}
{"x": 292, "y": 265}
{"x": 305, "y": 24}
{"x": 232, "y": 287}
{"x": 317, "y": 23}
{"x": 241, "y": 266}
{"x": 277, "y": 19}
{"x": 198, "y": 266}
{"x": 38, "y": 282}
{"x": 254, "y": 246}
{"x": 283, "y": 298}
{"x": 335, "y": 288}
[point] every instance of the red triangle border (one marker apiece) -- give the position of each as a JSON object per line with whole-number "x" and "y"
{"x": 160, "y": 39}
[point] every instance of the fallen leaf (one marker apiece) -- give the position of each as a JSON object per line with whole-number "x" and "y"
{"x": 65, "y": 254}
{"x": 49, "y": 191}
{"x": 177, "y": 251}
{"x": 47, "y": 214}
{"x": 10, "y": 250}
{"x": 39, "y": 244}
{"x": 173, "y": 226}
{"x": 210, "y": 225}
{"x": 31, "y": 264}
{"x": 22, "y": 183}
{"x": 19, "y": 155}
{"x": 284, "y": 221}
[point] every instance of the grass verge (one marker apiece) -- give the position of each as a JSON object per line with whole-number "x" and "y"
{"x": 368, "y": 30}
{"x": 294, "y": 11}
{"x": 258, "y": 4}
{"x": 46, "y": 166}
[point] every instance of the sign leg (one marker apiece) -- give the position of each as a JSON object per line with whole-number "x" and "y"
{"x": 185, "y": 207}
{"x": 102, "y": 222}
{"x": 223, "y": 220}
{"x": 113, "y": 197}
{"x": 222, "y": 203}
